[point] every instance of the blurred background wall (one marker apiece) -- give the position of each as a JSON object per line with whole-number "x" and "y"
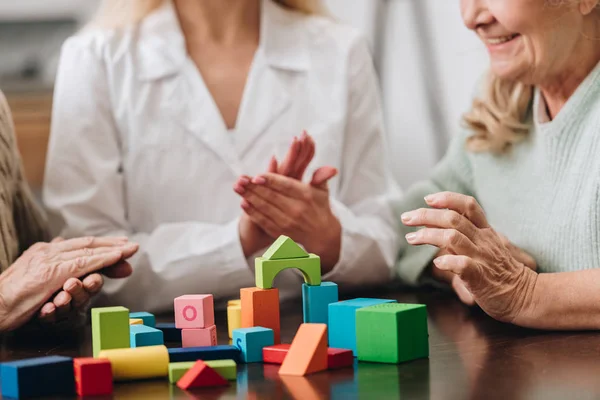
{"x": 428, "y": 64}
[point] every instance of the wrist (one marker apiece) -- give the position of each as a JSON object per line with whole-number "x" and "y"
{"x": 530, "y": 310}
{"x": 329, "y": 248}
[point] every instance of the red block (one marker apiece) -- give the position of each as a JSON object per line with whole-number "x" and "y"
{"x": 339, "y": 358}
{"x": 275, "y": 354}
{"x": 93, "y": 376}
{"x": 201, "y": 375}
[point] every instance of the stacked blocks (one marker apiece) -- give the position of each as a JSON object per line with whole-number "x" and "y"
{"x": 110, "y": 328}
{"x": 149, "y": 319}
{"x": 142, "y": 335}
{"x": 37, "y": 377}
{"x": 234, "y": 316}
{"x": 260, "y": 307}
{"x": 251, "y": 342}
{"x": 139, "y": 363}
{"x": 308, "y": 352}
{"x": 93, "y": 376}
{"x": 316, "y": 300}
{"x": 342, "y": 321}
{"x": 201, "y": 375}
{"x": 195, "y": 316}
{"x": 392, "y": 333}
{"x": 222, "y": 352}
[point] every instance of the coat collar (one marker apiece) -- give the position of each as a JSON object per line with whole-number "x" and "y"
{"x": 162, "y": 52}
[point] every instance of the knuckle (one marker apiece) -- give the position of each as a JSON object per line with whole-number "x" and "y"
{"x": 472, "y": 204}
{"x": 88, "y": 241}
{"x": 452, "y": 236}
{"x": 453, "y": 218}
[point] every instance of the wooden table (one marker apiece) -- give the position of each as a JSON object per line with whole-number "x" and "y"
{"x": 472, "y": 357}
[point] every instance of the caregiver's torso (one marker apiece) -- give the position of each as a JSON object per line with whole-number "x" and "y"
{"x": 544, "y": 195}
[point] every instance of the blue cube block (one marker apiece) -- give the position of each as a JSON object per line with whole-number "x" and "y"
{"x": 37, "y": 377}
{"x": 142, "y": 335}
{"x": 342, "y": 321}
{"x": 222, "y": 352}
{"x": 251, "y": 341}
{"x": 148, "y": 318}
{"x": 170, "y": 332}
{"x": 316, "y": 300}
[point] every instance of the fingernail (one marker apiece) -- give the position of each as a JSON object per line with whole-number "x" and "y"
{"x": 239, "y": 190}
{"x": 406, "y": 217}
{"x": 438, "y": 262}
{"x": 410, "y": 237}
{"x": 259, "y": 180}
{"x": 244, "y": 181}
{"x": 429, "y": 198}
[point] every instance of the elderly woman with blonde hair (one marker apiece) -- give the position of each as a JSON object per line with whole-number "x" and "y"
{"x": 511, "y": 215}
{"x": 165, "y": 119}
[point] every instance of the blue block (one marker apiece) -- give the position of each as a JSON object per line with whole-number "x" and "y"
{"x": 251, "y": 341}
{"x": 170, "y": 332}
{"x": 316, "y": 300}
{"x": 148, "y": 318}
{"x": 342, "y": 321}
{"x": 142, "y": 335}
{"x": 223, "y": 352}
{"x": 37, "y": 377}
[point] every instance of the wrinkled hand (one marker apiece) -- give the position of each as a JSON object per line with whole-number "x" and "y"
{"x": 285, "y": 206}
{"x": 47, "y": 267}
{"x": 495, "y": 274}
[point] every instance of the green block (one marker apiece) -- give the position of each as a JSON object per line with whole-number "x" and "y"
{"x": 392, "y": 333}
{"x": 226, "y": 368}
{"x": 110, "y": 328}
{"x": 284, "y": 248}
{"x": 267, "y": 270}
{"x": 178, "y": 369}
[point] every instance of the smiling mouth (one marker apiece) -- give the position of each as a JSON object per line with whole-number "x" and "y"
{"x": 501, "y": 39}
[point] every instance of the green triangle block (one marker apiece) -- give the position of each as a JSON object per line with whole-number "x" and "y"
{"x": 284, "y": 248}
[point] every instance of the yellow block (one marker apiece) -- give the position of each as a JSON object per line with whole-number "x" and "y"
{"x": 234, "y": 318}
{"x": 237, "y": 302}
{"x": 138, "y": 363}
{"x": 136, "y": 321}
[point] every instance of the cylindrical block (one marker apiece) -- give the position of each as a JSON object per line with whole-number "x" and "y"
{"x": 138, "y": 363}
{"x": 234, "y": 318}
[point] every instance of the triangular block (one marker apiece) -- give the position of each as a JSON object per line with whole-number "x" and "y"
{"x": 308, "y": 352}
{"x": 201, "y": 375}
{"x": 284, "y": 248}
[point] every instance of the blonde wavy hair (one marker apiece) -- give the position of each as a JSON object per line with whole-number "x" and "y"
{"x": 120, "y": 13}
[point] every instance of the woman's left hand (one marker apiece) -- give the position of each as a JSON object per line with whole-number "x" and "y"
{"x": 285, "y": 206}
{"x": 501, "y": 284}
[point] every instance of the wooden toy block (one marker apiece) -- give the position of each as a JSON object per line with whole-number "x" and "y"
{"x": 342, "y": 321}
{"x": 110, "y": 328}
{"x": 392, "y": 333}
{"x": 142, "y": 335}
{"x": 37, "y": 377}
{"x": 284, "y": 248}
{"x": 136, "y": 321}
{"x": 236, "y": 302}
{"x": 260, "y": 307}
{"x": 199, "y": 337}
{"x": 339, "y": 358}
{"x": 316, "y": 300}
{"x": 93, "y": 376}
{"x": 222, "y": 352}
{"x": 226, "y": 368}
{"x": 251, "y": 341}
{"x": 266, "y": 270}
{"x": 148, "y": 318}
{"x": 234, "y": 317}
{"x": 201, "y": 375}
{"x": 138, "y": 363}
{"x": 275, "y": 354}
{"x": 170, "y": 332}
{"x": 194, "y": 311}
{"x": 308, "y": 352}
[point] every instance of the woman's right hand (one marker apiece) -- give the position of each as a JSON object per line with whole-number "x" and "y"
{"x": 43, "y": 270}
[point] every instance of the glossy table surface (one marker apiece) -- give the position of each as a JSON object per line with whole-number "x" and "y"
{"x": 471, "y": 357}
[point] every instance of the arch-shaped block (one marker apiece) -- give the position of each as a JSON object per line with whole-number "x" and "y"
{"x": 267, "y": 270}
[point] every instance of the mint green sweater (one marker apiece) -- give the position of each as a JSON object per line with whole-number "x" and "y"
{"x": 544, "y": 195}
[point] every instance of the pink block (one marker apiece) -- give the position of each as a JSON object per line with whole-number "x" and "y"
{"x": 199, "y": 337}
{"x": 194, "y": 311}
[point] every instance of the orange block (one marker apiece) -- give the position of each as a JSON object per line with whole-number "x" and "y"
{"x": 308, "y": 352}
{"x": 260, "y": 307}
{"x": 201, "y": 375}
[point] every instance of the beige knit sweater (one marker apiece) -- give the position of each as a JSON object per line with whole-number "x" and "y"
{"x": 22, "y": 222}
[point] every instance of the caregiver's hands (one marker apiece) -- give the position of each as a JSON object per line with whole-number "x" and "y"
{"x": 495, "y": 274}
{"x": 47, "y": 267}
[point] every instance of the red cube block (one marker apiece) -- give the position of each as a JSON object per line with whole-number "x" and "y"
{"x": 275, "y": 354}
{"x": 93, "y": 376}
{"x": 339, "y": 358}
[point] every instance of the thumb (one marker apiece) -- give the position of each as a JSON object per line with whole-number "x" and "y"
{"x": 322, "y": 176}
